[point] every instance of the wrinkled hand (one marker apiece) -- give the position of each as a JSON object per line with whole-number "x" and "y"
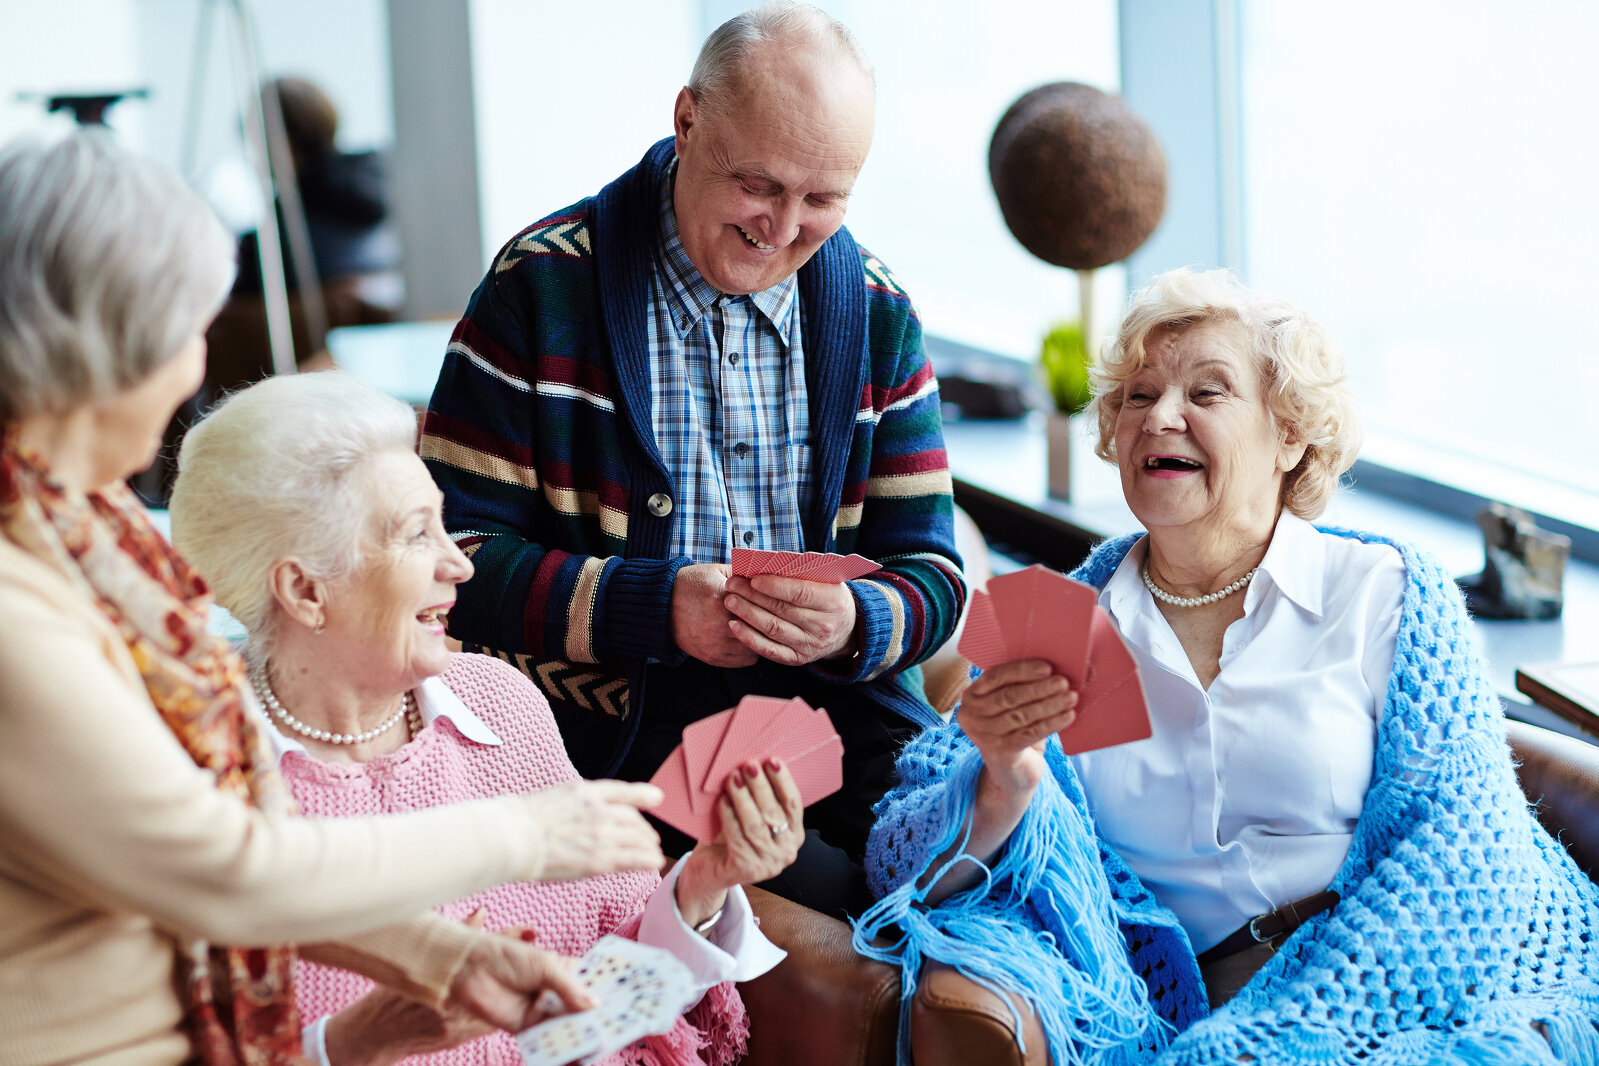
{"x": 700, "y": 619}
{"x": 756, "y": 799}
{"x": 383, "y": 1026}
{"x": 792, "y": 621}
{"x": 503, "y": 980}
{"x": 1009, "y": 712}
{"x": 594, "y": 827}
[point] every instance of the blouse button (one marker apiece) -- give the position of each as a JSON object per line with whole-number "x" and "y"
{"x": 660, "y": 505}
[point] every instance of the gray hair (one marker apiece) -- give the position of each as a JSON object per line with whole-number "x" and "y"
{"x": 1301, "y": 370}
{"x": 278, "y": 470}
{"x": 725, "y": 51}
{"x": 108, "y": 264}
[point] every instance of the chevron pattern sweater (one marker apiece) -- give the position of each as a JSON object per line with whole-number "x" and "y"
{"x": 539, "y": 433}
{"x": 1464, "y": 933}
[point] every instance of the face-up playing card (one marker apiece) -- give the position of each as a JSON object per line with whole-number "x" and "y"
{"x": 758, "y": 728}
{"x": 808, "y": 566}
{"x": 641, "y": 991}
{"x": 1044, "y": 615}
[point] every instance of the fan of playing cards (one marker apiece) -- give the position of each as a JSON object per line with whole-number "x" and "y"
{"x": 694, "y": 775}
{"x": 1037, "y": 613}
{"x": 810, "y": 566}
{"x": 641, "y": 991}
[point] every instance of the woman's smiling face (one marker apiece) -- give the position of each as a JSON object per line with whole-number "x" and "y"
{"x": 388, "y": 617}
{"x": 1196, "y": 443}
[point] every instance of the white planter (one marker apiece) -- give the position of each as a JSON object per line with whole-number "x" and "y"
{"x": 1058, "y": 456}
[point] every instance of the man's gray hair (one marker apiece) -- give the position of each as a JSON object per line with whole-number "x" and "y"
{"x": 108, "y": 264}
{"x": 729, "y": 45}
{"x": 279, "y": 470}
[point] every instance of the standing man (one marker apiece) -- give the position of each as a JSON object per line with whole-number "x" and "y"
{"x": 697, "y": 358}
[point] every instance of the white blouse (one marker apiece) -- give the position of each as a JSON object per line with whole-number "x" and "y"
{"x": 1246, "y": 795}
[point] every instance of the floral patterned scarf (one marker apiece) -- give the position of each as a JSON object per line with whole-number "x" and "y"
{"x": 239, "y": 1002}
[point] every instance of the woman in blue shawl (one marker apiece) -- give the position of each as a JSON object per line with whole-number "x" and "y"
{"x": 1321, "y": 853}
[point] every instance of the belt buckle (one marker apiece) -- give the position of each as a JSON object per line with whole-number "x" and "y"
{"x": 1254, "y": 931}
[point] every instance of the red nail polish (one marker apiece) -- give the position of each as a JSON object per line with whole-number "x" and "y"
{"x": 738, "y": 779}
{"x": 528, "y": 935}
{"x": 773, "y": 764}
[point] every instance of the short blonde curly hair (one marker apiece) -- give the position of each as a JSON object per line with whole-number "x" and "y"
{"x": 1301, "y": 371}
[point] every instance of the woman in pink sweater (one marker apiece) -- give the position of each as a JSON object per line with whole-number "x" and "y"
{"x": 302, "y": 501}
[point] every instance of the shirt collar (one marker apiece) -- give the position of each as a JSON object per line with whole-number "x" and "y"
{"x": 690, "y": 296}
{"x": 1294, "y": 562}
{"x": 433, "y": 699}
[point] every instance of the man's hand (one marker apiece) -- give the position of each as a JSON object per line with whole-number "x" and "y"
{"x": 700, "y": 620}
{"x": 791, "y": 621}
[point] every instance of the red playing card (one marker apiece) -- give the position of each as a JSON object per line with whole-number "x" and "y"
{"x": 795, "y": 733}
{"x": 837, "y": 568}
{"x": 1044, "y": 614}
{"x": 672, "y": 779}
{"x": 749, "y": 720}
{"x": 981, "y": 641}
{"x": 1111, "y": 708}
{"x": 819, "y": 772}
{"x": 808, "y": 566}
{"x": 701, "y": 740}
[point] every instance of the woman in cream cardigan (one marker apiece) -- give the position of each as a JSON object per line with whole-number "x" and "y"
{"x": 142, "y": 822}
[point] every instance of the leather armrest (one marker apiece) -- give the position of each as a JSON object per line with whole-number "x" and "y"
{"x": 1561, "y": 775}
{"x": 957, "y": 1021}
{"x": 824, "y": 1003}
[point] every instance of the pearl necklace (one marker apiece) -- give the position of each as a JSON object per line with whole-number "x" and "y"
{"x": 407, "y": 711}
{"x": 1193, "y": 601}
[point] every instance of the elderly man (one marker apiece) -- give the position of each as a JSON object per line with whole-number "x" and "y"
{"x": 700, "y": 358}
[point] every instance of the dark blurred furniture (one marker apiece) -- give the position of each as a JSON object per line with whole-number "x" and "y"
{"x": 1571, "y": 690}
{"x": 825, "y": 1004}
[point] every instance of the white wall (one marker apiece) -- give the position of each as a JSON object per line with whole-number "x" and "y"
{"x": 568, "y": 96}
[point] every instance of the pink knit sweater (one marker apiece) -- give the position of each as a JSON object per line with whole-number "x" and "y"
{"x": 441, "y": 766}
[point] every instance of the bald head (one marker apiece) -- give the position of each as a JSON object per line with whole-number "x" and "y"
{"x": 746, "y": 42}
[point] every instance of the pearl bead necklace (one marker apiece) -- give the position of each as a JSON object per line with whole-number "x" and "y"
{"x": 407, "y": 711}
{"x": 1193, "y": 601}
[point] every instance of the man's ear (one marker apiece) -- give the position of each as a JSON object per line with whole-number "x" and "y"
{"x": 685, "y": 113}
{"x": 300, "y": 596}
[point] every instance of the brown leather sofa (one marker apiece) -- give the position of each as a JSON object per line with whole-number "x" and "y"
{"x": 827, "y": 1005}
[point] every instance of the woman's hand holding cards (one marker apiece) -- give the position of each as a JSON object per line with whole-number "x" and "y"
{"x": 762, "y": 819}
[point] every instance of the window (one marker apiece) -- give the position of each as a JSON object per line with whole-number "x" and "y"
{"x": 1420, "y": 177}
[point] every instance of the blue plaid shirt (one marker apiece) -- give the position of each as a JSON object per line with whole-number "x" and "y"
{"x": 729, "y": 408}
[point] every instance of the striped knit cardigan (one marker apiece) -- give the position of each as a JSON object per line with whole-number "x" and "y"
{"x": 539, "y": 432}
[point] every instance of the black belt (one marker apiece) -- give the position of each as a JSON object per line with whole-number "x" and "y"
{"x": 1272, "y": 927}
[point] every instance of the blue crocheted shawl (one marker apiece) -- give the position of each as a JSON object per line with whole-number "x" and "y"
{"x": 1462, "y": 924}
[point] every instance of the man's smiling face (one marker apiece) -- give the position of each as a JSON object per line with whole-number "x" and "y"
{"x": 764, "y": 175}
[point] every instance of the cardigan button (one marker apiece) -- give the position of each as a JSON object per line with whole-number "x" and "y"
{"x": 660, "y": 505}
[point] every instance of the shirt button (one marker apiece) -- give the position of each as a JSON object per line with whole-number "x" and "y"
{"x": 749, "y": 537}
{"x": 733, "y": 358}
{"x": 741, "y": 449}
{"x": 660, "y": 505}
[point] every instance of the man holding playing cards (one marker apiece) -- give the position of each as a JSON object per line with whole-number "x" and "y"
{"x": 700, "y": 357}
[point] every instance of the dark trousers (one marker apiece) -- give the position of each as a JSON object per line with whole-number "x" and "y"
{"x": 828, "y": 875}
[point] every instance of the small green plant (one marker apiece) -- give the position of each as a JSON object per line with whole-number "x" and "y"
{"x": 1065, "y": 360}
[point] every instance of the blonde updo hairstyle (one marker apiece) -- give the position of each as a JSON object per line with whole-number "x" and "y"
{"x": 279, "y": 470}
{"x": 1301, "y": 372}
